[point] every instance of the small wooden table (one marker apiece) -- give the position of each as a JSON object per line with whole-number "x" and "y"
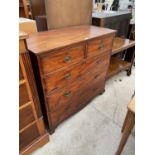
{"x": 127, "y": 126}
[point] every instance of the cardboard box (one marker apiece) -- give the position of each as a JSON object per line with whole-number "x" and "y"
{"x": 27, "y": 25}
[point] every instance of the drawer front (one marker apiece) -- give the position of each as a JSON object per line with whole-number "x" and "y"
{"x": 58, "y": 116}
{"x": 28, "y": 136}
{"x": 62, "y": 78}
{"x": 96, "y": 64}
{"x": 64, "y": 97}
{"x": 62, "y": 58}
{"x": 100, "y": 45}
{"x": 26, "y": 116}
{"x": 91, "y": 88}
{"x": 23, "y": 95}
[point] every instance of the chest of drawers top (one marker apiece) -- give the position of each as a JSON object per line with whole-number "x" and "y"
{"x": 42, "y": 42}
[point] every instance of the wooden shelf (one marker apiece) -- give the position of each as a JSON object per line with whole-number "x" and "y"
{"x": 117, "y": 65}
{"x": 121, "y": 44}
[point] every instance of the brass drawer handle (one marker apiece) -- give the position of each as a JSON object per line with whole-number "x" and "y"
{"x": 67, "y": 58}
{"x": 98, "y": 61}
{"x": 68, "y": 94}
{"x": 67, "y": 76}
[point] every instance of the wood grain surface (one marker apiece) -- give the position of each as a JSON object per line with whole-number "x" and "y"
{"x": 42, "y": 42}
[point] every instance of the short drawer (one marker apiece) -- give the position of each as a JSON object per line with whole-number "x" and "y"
{"x": 62, "y": 78}
{"x": 23, "y": 95}
{"x": 64, "y": 97}
{"x": 26, "y": 116}
{"x": 62, "y": 58}
{"x": 99, "y": 45}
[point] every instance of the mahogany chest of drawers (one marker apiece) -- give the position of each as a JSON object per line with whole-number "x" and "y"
{"x": 70, "y": 65}
{"x": 32, "y": 133}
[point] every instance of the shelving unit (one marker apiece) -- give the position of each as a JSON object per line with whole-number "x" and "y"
{"x": 32, "y": 132}
{"x": 119, "y": 64}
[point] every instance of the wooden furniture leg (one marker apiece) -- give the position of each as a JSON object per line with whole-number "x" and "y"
{"x": 125, "y": 122}
{"x": 126, "y": 129}
{"x": 130, "y": 56}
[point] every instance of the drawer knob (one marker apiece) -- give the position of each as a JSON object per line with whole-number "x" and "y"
{"x": 68, "y": 94}
{"x": 67, "y": 58}
{"x": 67, "y": 76}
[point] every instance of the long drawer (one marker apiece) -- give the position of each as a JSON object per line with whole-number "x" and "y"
{"x": 64, "y": 97}
{"x": 62, "y": 78}
{"x": 62, "y": 58}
